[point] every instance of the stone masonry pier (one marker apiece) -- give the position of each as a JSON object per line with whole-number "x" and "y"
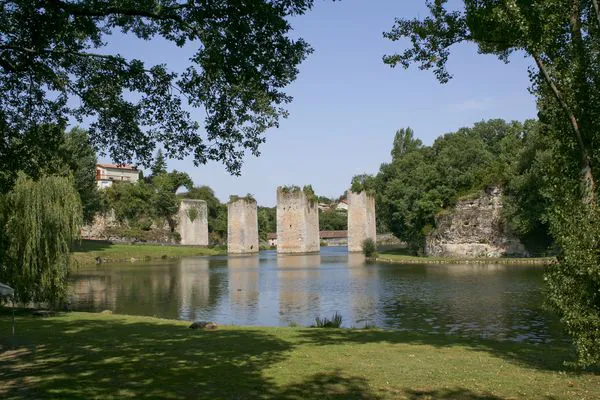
{"x": 361, "y": 219}
{"x": 242, "y": 226}
{"x": 193, "y": 222}
{"x": 297, "y": 222}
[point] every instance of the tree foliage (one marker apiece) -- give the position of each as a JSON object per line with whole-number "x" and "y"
{"x": 49, "y": 150}
{"x": 160, "y": 164}
{"x": 39, "y": 219}
{"x": 267, "y": 221}
{"x": 333, "y": 220}
{"x": 404, "y": 141}
{"x": 149, "y": 202}
{"x": 54, "y": 51}
{"x": 562, "y": 39}
{"x": 424, "y": 180}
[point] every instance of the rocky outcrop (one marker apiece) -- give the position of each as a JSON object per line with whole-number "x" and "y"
{"x": 474, "y": 228}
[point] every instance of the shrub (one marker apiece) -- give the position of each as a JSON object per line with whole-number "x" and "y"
{"x": 369, "y": 247}
{"x": 334, "y": 322}
{"x": 574, "y": 281}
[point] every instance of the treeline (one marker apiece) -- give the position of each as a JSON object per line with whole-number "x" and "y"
{"x": 422, "y": 181}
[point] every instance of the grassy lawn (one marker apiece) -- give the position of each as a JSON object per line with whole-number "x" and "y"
{"x": 89, "y": 250}
{"x": 85, "y": 356}
{"x": 401, "y": 256}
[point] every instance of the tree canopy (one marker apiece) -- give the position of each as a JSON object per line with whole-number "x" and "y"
{"x": 55, "y": 51}
{"x": 422, "y": 181}
{"x": 49, "y": 150}
{"x": 39, "y": 220}
{"x": 561, "y": 37}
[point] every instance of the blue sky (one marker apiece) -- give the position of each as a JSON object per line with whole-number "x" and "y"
{"x": 348, "y": 104}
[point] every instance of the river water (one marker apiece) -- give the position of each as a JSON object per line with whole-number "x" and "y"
{"x": 502, "y": 302}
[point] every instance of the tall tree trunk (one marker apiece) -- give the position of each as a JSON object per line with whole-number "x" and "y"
{"x": 587, "y": 177}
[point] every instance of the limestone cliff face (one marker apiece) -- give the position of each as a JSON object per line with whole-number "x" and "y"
{"x": 474, "y": 229}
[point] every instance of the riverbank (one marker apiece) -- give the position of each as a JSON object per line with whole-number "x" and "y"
{"x": 92, "y": 251}
{"x": 84, "y": 355}
{"x": 400, "y": 257}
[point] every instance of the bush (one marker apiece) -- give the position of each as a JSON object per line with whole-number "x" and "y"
{"x": 334, "y": 322}
{"x": 574, "y": 281}
{"x": 369, "y": 247}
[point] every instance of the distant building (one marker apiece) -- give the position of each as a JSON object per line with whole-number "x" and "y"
{"x": 272, "y": 238}
{"x": 342, "y": 205}
{"x": 332, "y": 238}
{"x": 324, "y": 206}
{"x": 106, "y": 174}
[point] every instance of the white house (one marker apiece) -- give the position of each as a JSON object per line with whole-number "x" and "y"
{"x": 106, "y": 174}
{"x": 342, "y": 205}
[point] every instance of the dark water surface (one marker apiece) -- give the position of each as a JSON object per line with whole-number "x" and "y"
{"x": 495, "y": 301}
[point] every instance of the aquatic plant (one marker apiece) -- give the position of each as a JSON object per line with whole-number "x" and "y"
{"x": 334, "y": 322}
{"x": 369, "y": 247}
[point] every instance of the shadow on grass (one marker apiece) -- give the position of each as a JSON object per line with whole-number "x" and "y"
{"x": 448, "y": 394}
{"x": 115, "y": 358}
{"x": 98, "y": 359}
{"x": 548, "y": 356}
{"x": 81, "y": 357}
{"x": 397, "y": 251}
{"x": 87, "y": 246}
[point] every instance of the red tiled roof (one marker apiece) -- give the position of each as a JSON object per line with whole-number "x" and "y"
{"x": 118, "y": 166}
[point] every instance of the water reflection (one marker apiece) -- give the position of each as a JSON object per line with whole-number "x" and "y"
{"x": 298, "y": 277}
{"x": 364, "y": 290}
{"x": 498, "y": 301}
{"x": 243, "y": 284}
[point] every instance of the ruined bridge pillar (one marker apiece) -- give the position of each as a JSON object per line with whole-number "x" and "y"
{"x": 297, "y": 221}
{"x": 193, "y": 222}
{"x": 242, "y": 226}
{"x": 361, "y": 219}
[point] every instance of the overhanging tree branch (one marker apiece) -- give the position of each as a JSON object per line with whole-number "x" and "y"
{"x": 104, "y": 10}
{"x": 60, "y": 52}
{"x": 585, "y": 162}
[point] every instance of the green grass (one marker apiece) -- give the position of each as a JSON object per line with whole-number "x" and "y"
{"x": 86, "y": 356}
{"x": 401, "y": 256}
{"x": 88, "y": 251}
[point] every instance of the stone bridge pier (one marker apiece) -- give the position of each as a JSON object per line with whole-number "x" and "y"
{"x": 361, "y": 219}
{"x": 193, "y": 222}
{"x": 242, "y": 226}
{"x": 297, "y": 222}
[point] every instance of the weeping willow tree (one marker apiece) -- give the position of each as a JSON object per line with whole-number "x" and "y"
{"x": 39, "y": 219}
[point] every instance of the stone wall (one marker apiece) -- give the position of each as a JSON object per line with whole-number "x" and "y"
{"x": 361, "y": 219}
{"x": 105, "y": 226}
{"x": 297, "y": 223}
{"x": 193, "y": 222}
{"x": 101, "y": 223}
{"x": 242, "y": 227}
{"x": 475, "y": 228}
